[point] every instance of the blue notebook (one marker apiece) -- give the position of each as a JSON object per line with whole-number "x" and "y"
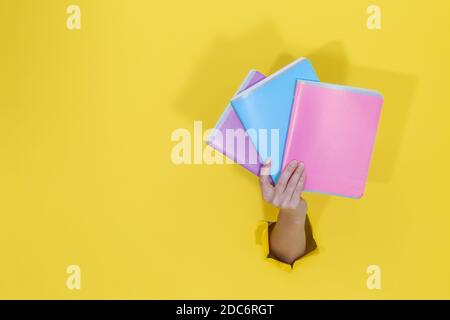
{"x": 265, "y": 110}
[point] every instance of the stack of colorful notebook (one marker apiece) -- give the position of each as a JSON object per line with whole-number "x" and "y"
{"x": 290, "y": 115}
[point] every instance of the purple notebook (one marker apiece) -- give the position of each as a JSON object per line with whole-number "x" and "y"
{"x": 230, "y": 137}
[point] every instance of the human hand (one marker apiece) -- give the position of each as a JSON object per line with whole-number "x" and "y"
{"x": 285, "y": 195}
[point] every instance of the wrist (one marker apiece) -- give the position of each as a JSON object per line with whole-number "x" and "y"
{"x": 297, "y": 215}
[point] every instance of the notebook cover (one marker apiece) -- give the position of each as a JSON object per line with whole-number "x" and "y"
{"x": 267, "y": 105}
{"x": 332, "y": 131}
{"x": 247, "y": 156}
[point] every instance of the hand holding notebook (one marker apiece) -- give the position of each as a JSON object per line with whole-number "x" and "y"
{"x": 330, "y": 128}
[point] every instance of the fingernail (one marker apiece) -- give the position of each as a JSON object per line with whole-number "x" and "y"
{"x": 302, "y": 164}
{"x": 265, "y": 171}
{"x": 294, "y": 163}
{"x": 268, "y": 161}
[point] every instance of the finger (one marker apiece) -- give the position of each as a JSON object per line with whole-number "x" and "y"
{"x": 265, "y": 168}
{"x": 264, "y": 180}
{"x": 284, "y": 178}
{"x": 302, "y": 168}
{"x": 293, "y": 181}
{"x": 300, "y": 186}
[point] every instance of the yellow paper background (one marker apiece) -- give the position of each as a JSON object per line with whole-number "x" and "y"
{"x": 86, "y": 176}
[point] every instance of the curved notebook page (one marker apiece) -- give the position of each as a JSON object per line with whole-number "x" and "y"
{"x": 230, "y": 137}
{"x": 332, "y": 130}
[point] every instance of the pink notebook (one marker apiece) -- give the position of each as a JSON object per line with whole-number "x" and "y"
{"x": 332, "y": 131}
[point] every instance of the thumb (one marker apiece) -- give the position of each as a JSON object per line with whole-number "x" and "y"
{"x": 265, "y": 168}
{"x": 265, "y": 181}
